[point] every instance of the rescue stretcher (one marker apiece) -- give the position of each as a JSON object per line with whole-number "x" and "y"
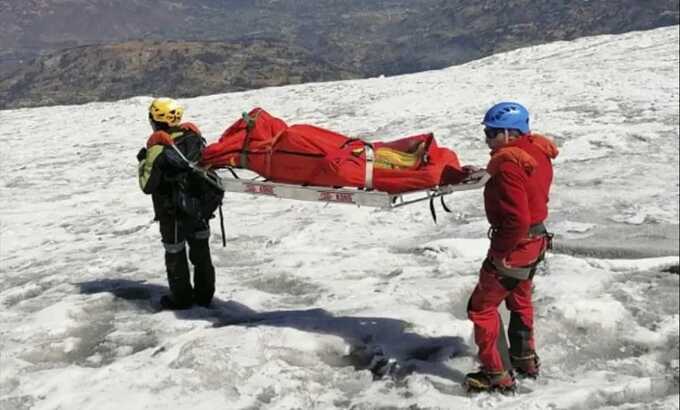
{"x": 309, "y": 163}
{"x": 350, "y": 196}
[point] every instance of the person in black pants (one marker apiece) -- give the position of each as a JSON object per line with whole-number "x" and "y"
{"x": 178, "y": 197}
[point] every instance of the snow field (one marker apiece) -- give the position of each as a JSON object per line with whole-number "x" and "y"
{"x": 310, "y": 296}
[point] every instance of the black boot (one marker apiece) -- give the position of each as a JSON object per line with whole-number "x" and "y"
{"x": 204, "y": 272}
{"x": 524, "y": 359}
{"x": 178, "y": 281}
{"x": 527, "y": 365}
{"x": 486, "y": 381}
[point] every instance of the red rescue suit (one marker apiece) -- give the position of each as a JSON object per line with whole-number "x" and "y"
{"x": 516, "y": 203}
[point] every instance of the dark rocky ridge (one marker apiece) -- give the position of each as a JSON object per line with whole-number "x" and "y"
{"x": 181, "y": 69}
{"x": 360, "y": 37}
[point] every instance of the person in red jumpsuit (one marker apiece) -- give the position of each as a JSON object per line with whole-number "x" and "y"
{"x": 516, "y": 205}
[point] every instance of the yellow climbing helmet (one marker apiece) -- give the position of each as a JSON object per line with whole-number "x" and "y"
{"x": 166, "y": 111}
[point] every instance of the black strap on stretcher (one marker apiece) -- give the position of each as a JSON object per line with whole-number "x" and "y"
{"x": 432, "y": 210}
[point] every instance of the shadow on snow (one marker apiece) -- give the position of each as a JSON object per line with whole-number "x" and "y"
{"x": 382, "y": 345}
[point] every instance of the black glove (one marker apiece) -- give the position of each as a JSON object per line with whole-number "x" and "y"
{"x": 141, "y": 155}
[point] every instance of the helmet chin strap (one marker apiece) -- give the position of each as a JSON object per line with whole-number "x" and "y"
{"x": 507, "y": 136}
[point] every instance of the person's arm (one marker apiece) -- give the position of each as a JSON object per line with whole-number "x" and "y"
{"x": 514, "y": 208}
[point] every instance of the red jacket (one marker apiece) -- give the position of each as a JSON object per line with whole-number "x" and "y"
{"x": 516, "y": 196}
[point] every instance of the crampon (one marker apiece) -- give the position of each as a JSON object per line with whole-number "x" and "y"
{"x": 483, "y": 381}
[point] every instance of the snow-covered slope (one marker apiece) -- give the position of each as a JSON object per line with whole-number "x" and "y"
{"x": 307, "y": 294}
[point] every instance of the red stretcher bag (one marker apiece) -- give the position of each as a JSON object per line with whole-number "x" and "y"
{"x": 307, "y": 155}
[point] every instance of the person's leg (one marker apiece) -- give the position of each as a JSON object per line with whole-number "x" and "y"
{"x": 204, "y": 271}
{"x": 176, "y": 265}
{"x": 483, "y": 311}
{"x": 521, "y": 329}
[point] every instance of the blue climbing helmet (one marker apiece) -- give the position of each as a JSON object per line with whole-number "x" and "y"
{"x": 509, "y": 115}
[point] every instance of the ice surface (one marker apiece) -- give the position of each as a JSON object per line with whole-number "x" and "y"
{"x": 314, "y": 303}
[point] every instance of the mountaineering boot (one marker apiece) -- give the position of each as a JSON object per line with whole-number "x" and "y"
{"x": 485, "y": 381}
{"x": 522, "y": 354}
{"x": 526, "y": 365}
{"x": 204, "y": 272}
{"x": 177, "y": 269}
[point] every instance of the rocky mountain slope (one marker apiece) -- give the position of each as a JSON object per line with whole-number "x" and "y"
{"x": 178, "y": 68}
{"x": 362, "y": 37}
